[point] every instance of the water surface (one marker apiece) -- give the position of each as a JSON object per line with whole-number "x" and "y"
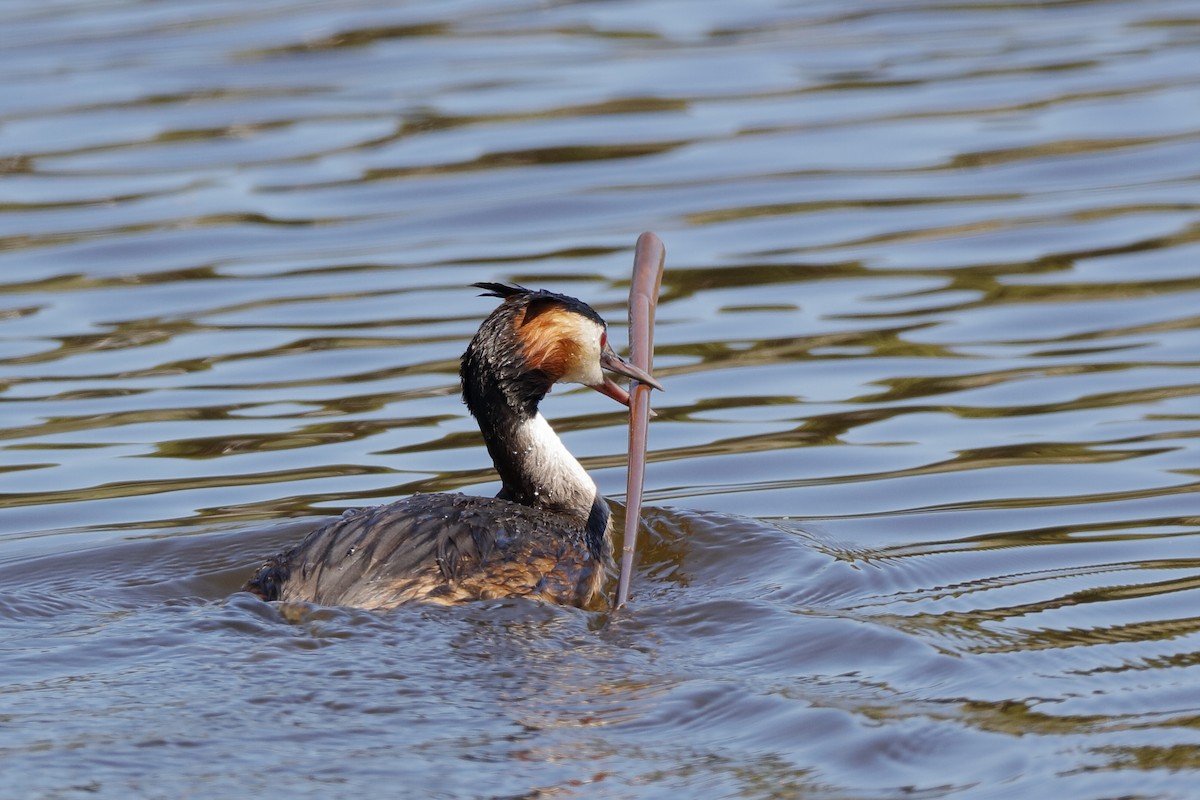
{"x": 923, "y": 514}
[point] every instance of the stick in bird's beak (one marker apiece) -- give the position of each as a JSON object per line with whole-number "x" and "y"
{"x": 649, "y": 256}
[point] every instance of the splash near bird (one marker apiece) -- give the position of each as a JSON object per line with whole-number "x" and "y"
{"x": 546, "y": 535}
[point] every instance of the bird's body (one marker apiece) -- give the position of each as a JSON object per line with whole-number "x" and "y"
{"x": 443, "y": 548}
{"x": 545, "y": 536}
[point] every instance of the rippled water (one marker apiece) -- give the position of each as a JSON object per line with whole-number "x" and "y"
{"x": 923, "y": 510}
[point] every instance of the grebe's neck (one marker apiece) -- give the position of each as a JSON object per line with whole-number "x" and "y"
{"x": 538, "y": 470}
{"x": 535, "y": 467}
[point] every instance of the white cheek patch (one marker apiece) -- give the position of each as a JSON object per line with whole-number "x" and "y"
{"x": 586, "y": 367}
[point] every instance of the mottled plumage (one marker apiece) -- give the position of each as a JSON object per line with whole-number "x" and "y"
{"x": 439, "y": 548}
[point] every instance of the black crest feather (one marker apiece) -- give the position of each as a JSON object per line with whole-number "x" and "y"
{"x": 501, "y": 290}
{"x": 536, "y": 300}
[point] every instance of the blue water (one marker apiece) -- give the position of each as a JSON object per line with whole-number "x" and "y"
{"x": 922, "y": 496}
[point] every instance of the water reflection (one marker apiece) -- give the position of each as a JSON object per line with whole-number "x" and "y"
{"x": 924, "y": 477}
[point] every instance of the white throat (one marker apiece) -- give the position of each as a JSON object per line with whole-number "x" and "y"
{"x": 559, "y": 480}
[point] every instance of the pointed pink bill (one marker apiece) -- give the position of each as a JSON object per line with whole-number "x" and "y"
{"x": 614, "y": 363}
{"x": 648, "y": 259}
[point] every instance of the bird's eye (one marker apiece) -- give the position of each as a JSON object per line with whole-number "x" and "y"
{"x": 603, "y": 339}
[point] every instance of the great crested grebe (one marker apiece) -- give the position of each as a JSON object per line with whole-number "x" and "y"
{"x": 546, "y": 535}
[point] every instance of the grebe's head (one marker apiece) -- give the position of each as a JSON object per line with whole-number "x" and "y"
{"x": 557, "y": 338}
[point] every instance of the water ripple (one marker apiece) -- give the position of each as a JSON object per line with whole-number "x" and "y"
{"x": 923, "y": 482}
